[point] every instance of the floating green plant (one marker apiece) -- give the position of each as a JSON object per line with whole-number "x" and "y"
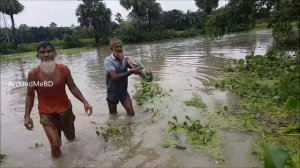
{"x": 146, "y": 91}
{"x": 269, "y": 103}
{"x": 169, "y": 143}
{"x": 196, "y": 102}
{"x": 199, "y": 135}
{"x": 117, "y": 135}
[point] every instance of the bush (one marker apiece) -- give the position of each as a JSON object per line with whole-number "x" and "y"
{"x": 127, "y": 32}
{"x": 71, "y": 41}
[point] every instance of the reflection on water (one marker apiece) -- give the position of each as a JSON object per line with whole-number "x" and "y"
{"x": 181, "y": 65}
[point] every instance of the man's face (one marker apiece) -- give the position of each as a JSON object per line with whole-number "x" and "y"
{"x": 118, "y": 50}
{"x": 46, "y": 54}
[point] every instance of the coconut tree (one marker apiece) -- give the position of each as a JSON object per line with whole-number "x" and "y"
{"x": 11, "y": 8}
{"x": 207, "y": 6}
{"x": 138, "y": 10}
{"x": 154, "y": 12}
{"x": 94, "y": 14}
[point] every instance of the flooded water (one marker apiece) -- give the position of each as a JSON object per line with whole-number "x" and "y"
{"x": 180, "y": 67}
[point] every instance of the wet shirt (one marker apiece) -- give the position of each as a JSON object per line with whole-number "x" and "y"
{"x": 53, "y": 99}
{"x": 115, "y": 87}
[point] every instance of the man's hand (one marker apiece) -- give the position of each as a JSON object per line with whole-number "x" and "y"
{"x": 149, "y": 72}
{"x": 88, "y": 108}
{"x": 135, "y": 71}
{"x": 28, "y": 123}
{"x": 131, "y": 64}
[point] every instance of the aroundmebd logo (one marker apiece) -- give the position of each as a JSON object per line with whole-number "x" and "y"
{"x": 31, "y": 84}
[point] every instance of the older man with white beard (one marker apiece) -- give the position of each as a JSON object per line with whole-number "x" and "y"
{"x": 55, "y": 108}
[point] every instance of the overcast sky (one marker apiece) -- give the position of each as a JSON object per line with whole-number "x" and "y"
{"x": 62, "y": 12}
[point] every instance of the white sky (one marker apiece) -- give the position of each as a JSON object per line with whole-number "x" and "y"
{"x": 62, "y": 12}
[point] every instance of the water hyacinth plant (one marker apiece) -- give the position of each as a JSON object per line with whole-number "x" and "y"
{"x": 196, "y": 102}
{"x": 146, "y": 91}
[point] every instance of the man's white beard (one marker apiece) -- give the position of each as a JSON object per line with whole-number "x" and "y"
{"x": 48, "y": 67}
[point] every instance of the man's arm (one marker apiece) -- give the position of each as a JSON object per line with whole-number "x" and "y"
{"x": 115, "y": 76}
{"x": 76, "y": 92}
{"x": 110, "y": 68}
{"x": 28, "y": 123}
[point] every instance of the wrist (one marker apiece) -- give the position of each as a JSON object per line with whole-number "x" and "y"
{"x": 129, "y": 73}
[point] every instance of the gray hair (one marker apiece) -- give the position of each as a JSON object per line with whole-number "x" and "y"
{"x": 44, "y": 44}
{"x": 113, "y": 40}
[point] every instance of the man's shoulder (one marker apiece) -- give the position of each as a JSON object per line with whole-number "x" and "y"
{"x": 62, "y": 66}
{"x": 34, "y": 69}
{"x": 32, "y": 72}
{"x": 109, "y": 60}
{"x": 109, "y": 57}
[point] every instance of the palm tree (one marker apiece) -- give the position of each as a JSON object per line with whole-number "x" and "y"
{"x": 93, "y": 13}
{"x": 138, "y": 10}
{"x": 11, "y": 8}
{"x": 207, "y": 6}
{"x": 154, "y": 12}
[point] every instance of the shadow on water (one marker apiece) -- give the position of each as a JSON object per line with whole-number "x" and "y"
{"x": 180, "y": 66}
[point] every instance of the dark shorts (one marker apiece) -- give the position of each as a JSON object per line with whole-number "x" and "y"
{"x": 116, "y": 98}
{"x": 62, "y": 121}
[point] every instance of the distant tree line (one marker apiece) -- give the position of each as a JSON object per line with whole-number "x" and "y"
{"x": 26, "y": 34}
{"x": 147, "y": 21}
{"x": 240, "y": 15}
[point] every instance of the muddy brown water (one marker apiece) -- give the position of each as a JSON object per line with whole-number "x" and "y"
{"x": 180, "y": 67}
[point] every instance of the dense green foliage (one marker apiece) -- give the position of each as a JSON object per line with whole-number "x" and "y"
{"x": 235, "y": 16}
{"x": 278, "y": 74}
{"x": 28, "y": 34}
{"x": 275, "y": 156}
{"x": 198, "y": 134}
{"x": 118, "y": 135}
{"x": 146, "y": 91}
{"x": 240, "y": 15}
{"x": 270, "y": 91}
{"x": 94, "y": 14}
{"x": 71, "y": 42}
{"x": 196, "y": 102}
{"x": 207, "y": 6}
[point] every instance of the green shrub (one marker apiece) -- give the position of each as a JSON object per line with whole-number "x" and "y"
{"x": 71, "y": 41}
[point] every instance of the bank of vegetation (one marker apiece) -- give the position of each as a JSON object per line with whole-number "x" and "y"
{"x": 270, "y": 100}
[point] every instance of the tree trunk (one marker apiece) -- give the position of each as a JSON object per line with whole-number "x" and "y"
{"x": 149, "y": 22}
{"x": 14, "y": 31}
{"x": 96, "y": 36}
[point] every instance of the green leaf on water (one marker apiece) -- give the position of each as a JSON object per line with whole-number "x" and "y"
{"x": 188, "y": 118}
{"x": 225, "y": 108}
{"x": 292, "y": 103}
{"x": 275, "y": 156}
{"x": 175, "y": 118}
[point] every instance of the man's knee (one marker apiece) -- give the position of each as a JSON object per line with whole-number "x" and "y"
{"x": 56, "y": 142}
{"x": 70, "y": 136}
{"x": 112, "y": 107}
{"x": 69, "y": 131}
{"x": 131, "y": 113}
